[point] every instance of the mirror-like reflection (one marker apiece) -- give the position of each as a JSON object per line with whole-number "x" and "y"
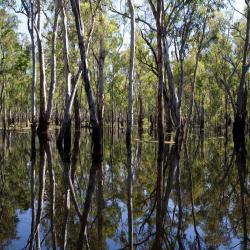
{"x": 59, "y": 198}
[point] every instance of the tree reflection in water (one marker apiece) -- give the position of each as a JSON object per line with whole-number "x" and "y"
{"x": 204, "y": 194}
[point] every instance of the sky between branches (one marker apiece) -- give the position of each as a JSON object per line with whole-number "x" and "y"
{"x": 22, "y": 27}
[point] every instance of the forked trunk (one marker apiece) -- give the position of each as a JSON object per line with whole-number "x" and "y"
{"x": 96, "y": 132}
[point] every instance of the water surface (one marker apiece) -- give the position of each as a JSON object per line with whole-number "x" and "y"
{"x": 207, "y": 207}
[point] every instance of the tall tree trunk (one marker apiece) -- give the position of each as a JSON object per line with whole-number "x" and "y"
{"x": 66, "y": 53}
{"x": 160, "y": 130}
{"x": 66, "y": 125}
{"x": 100, "y": 80}
{"x": 67, "y": 113}
{"x": 33, "y": 51}
{"x": 84, "y": 66}
{"x": 241, "y": 108}
{"x": 96, "y": 132}
{"x": 71, "y": 95}
{"x": 130, "y": 117}
{"x": 43, "y": 125}
{"x": 100, "y": 112}
{"x": 173, "y": 95}
{"x": 240, "y": 117}
{"x": 53, "y": 65}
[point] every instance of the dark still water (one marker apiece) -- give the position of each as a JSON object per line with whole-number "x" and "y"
{"x": 205, "y": 201}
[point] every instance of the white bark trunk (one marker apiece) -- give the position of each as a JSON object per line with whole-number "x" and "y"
{"x": 53, "y": 64}
{"x": 66, "y": 53}
{"x": 131, "y": 68}
{"x": 130, "y": 124}
{"x": 41, "y": 63}
{"x": 33, "y": 86}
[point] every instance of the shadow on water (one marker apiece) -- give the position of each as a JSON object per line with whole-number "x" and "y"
{"x": 59, "y": 198}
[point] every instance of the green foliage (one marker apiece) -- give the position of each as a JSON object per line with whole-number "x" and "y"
{"x": 15, "y": 64}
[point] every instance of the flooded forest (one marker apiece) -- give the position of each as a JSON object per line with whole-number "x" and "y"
{"x": 124, "y": 124}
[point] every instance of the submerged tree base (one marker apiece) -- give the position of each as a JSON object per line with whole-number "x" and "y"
{"x": 239, "y": 133}
{"x": 43, "y": 126}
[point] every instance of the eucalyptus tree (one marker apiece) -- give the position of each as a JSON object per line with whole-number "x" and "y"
{"x": 96, "y": 130}
{"x": 100, "y": 78}
{"x": 33, "y": 11}
{"x": 68, "y": 76}
{"x": 241, "y": 114}
{"x": 14, "y": 67}
{"x": 176, "y": 23}
{"x": 100, "y": 113}
{"x": 31, "y": 17}
{"x": 239, "y": 126}
{"x": 221, "y": 65}
{"x": 71, "y": 96}
{"x": 42, "y": 126}
{"x": 229, "y": 64}
{"x": 46, "y": 106}
{"x": 53, "y": 62}
{"x": 130, "y": 117}
{"x": 158, "y": 12}
{"x": 31, "y": 29}
{"x": 29, "y": 9}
